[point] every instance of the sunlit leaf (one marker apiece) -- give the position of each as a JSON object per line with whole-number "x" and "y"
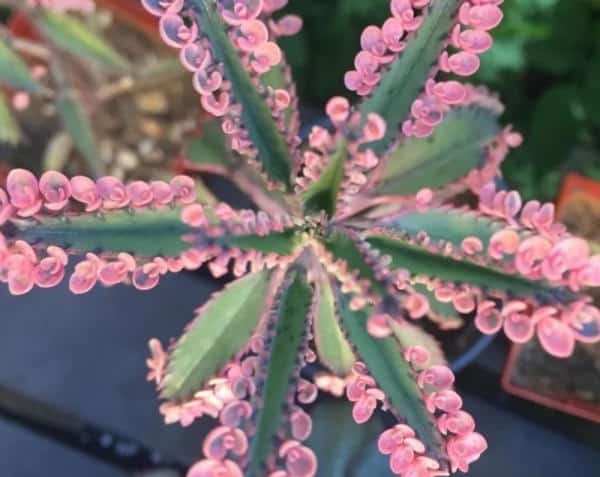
{"x": 223, "y": 325}
{"x": 279, "y": 370}
{"x": 456, "y": 147}
{"x": 332, "y": 347}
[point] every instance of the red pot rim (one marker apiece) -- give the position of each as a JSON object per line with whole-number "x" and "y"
{"x": 575, "y": 183}
{"x": 133, "y": 13}
{"x": 128, "y": 11}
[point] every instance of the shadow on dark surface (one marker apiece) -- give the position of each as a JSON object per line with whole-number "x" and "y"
{"x": 86, "y": 355}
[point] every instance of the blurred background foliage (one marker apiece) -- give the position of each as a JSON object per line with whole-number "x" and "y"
{"x": 545, "y": 64}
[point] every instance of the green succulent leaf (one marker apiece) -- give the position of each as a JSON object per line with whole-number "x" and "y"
{"x": 147, "y": 233}
{"x": 223, "y": 326}
{"x": 450, "y": 225}
{"x": 446, "y": 224}
{"x": 456, "y": 147}
{"x": 393, "y": 375}
{"x": 343, "y": 447}
{"x": 10, "y": 132}
{"x": 77, "y": 123}
{"x": 272, "y": 149}
{"x": 422, "y": 262}
{"x": 14, "y": 72}
{"x": 72, "y": 35}
{"x": 332, "y": 347}
{"x": 323, "y": 194}
{"x": 279, "y": 370}
{"x": 281, "y": 243}
{"x": 404, "y": 81}
{"x": 143, "y": 232}
{"x": 210, "y": 151}
{"x": 408, "y": 334}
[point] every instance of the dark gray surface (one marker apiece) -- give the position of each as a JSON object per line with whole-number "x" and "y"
{"x": 86, "y": 354}
{"x": 519, "y": 448}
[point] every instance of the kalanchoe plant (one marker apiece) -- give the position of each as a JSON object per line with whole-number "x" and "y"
{"x": 388, "y": 217}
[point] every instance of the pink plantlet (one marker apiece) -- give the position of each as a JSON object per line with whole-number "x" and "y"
{"x": 175, "y": 32}
{"x": 86, "y": 274}
{"x": 112, "y": 192}
{"x": 24, "y": 192}
{"x": 160, "y": 7}
{"x": 56, "y": 190}
{"x": 416, "y": 305}
{"x": 301, "y": 425}
{"x": 417, "y": 356}
{"x": 300, "y": 461}
{"x": 518, "y": 325}
{"x": 157, "y": 362}
{"x": 6, "y": 208}
{"x": 288, "y": 25}
{"x": 21, "y": 100}
{"x": 84, "y": 191}
{"x": 213, "y": 468}
{"x": 224, "y": 440}
{"x": 464, "y": 450}
{"x": 140, "y": 194}
{"x": 50, "y": 271}
{"x": 379, "y": 325}
{"x": 488, "y": 320}
{"x": 117, "y": 271}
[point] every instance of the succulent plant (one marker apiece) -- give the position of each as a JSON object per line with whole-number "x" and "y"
{"x": 390, "y": 216}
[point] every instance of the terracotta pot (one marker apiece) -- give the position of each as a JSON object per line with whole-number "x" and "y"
{"x": 530, "y": 373}
{"x": 568, "y": 403}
